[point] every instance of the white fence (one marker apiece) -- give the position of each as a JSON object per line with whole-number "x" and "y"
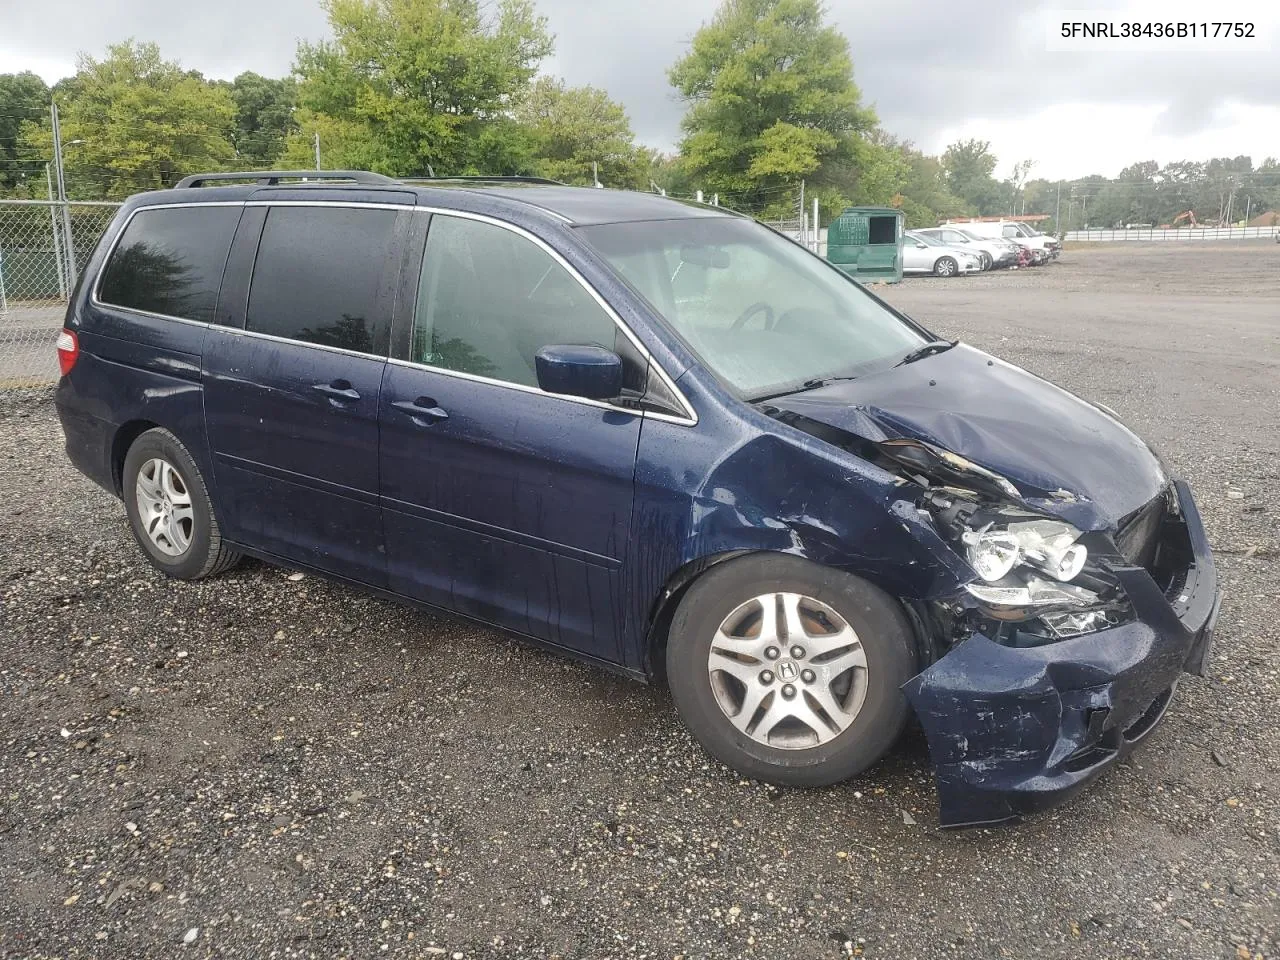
{"x": 1177, "y": 233}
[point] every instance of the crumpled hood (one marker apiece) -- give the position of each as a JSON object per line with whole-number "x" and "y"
{"x": 1066, "y": 456}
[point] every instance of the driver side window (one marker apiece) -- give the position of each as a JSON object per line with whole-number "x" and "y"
{"x": 489, "y": 299}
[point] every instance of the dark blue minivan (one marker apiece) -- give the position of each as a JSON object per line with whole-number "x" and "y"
{"x": 654, "y": 435}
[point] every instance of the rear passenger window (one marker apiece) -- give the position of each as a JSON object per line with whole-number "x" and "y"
{"x": 324, "y": 275}
{"x": 170, "y": 261}
{"x": 490, "y": 299}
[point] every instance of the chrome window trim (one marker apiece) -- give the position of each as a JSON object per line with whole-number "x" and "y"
{"x": 522, "y": 387}
{"x": 115, "y": 242}
{"x": 689, "y": 420}
{"x": 258, "y": 335}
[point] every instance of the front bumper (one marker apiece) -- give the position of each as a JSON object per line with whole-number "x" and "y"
{"x": 1015, "y": 730}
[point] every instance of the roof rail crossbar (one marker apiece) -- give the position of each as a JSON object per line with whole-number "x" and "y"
{"x": 271, "y": 178}
{"x": 557, "y": 183}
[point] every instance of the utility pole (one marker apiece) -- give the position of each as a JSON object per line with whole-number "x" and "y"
{"x": 803, "y": 238}
{"x": 1057, "y": 211}
{"x": 316, "y": 141}
{"x": 58, "y": 255}
{"x": 68, "y": 243}
{"x": 817, "y": 232}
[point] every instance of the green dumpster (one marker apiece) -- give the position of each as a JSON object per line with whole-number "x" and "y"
{"x": 866, "y": 243}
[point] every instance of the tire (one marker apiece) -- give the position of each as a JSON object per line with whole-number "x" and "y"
{"x": 791, "y": 751}
{"x": 945, "y": 267}
{"x": 179, "y": 533}
{"x": 986, "y": 261}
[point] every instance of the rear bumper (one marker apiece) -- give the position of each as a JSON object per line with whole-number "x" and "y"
{"x": 88, "y": 438}
{"x": 1015, "y": 730}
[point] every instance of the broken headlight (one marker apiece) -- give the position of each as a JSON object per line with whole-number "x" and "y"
{"x": 1049, "y": 546}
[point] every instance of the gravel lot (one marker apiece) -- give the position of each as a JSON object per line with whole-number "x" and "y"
{"x": 264, "y": 766}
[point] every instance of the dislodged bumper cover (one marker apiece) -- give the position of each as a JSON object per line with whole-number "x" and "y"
{"x": 1013, "y": 730}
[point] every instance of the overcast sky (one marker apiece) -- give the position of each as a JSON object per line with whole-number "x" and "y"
{"x": 935, "y": 70}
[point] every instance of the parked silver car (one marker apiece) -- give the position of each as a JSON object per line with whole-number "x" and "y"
{"x": 924, "y": 254}
{"x": 993, "y": 251}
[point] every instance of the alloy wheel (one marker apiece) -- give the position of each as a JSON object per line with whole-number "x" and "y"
{"x": 164, "y": 507}
{"x": 788, "y": 671}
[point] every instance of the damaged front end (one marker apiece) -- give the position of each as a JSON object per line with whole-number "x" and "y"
{"x": 1064, "y": 650}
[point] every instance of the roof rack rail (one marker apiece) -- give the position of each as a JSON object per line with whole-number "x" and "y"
{"x": 271, "y": 178}
{"x": 496, "y": 179}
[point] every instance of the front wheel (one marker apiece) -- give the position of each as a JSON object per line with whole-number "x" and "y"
{"x": 790, "y": 672}
{"x": 986, "y": 261}
{"x": 945, "y": 267}
{"x": 169, "y": 509}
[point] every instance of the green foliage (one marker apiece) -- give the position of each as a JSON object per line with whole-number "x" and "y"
{"x": 771, "y": 100}
{"x": 572, "y": 127}
{"x": 411, "y": 85}
{"x": 143, "y": 121}
{"x": 264, "y": 115}
{"x": 24, "y": 98}
{"x": 969, "y": 165}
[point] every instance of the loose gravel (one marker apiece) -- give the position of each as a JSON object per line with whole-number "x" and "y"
{"x": 262, "y": 765}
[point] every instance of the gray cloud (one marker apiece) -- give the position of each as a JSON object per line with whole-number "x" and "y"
{"x": 926, "y": 66}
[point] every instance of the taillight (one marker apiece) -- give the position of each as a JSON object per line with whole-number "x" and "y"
{"x": 68, "y": 350}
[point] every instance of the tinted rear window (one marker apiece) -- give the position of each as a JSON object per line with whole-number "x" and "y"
{"x": 323, "y": 275}
{"x": 170, "y": 261}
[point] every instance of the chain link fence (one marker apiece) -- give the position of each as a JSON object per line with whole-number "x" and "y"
{"x": 43, "y": 247}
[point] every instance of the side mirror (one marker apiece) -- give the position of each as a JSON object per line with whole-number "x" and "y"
{"x": 579, "y": 371}
{"x": 921, "y": 246}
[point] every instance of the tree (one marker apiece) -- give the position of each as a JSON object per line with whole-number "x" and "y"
{"x": 771, "y": 100}
{"x": 408, "y": 86}
{"x": 264, "y": 115}
{"x": 24, "y": 98}
{"x": 574, "y": 127}
{"x": 925, "y": 198}
{"x": 969, "y": 165}
{"x": 143, "y": 123}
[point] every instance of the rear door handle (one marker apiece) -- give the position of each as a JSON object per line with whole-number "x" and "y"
{"x": 424, "y": 411}
{"x": 339, "y": 391}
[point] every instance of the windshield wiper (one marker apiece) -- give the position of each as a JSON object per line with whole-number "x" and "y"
{"x": 817, "y": 382}
{"x": 928, "y": 350}
{"x": 813, "y": 384}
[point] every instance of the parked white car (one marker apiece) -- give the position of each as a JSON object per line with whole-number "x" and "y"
{"x": 921, "y": 254}
{"x": 992, "y": 251}
{"x": 1014, "y": 230}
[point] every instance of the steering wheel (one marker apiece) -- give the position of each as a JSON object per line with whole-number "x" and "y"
{"x": 751, "y": 311}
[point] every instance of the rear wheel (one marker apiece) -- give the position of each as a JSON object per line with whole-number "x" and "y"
{"x": 169, "y": 509}
{"x": 986, "y": 260}
{"x": 945, "y": 267}
{"x": 790, "y": 672}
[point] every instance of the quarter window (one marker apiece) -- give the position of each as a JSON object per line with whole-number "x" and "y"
{"x": 170, "y": 261}
{"x": 323, "y": 275}
{"x": 490, "y": 299}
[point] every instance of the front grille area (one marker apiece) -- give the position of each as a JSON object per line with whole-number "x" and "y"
{"x": 1138, "y": 535}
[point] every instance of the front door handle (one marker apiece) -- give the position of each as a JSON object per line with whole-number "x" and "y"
{"x": 425, "y": 411}
{"x": 339, "y": 391}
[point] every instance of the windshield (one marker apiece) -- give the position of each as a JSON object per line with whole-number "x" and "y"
{"x": 927, "y": 238}
{"x": 764, "y": 314}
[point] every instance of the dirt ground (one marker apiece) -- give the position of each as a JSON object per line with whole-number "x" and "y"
{"x": 256, "y": 766}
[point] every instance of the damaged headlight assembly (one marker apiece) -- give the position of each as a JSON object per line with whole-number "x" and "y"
{"x": 1047, "y": 545}
{"x": 1025, "y": 568}
{"x": 1025, "y": 562}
